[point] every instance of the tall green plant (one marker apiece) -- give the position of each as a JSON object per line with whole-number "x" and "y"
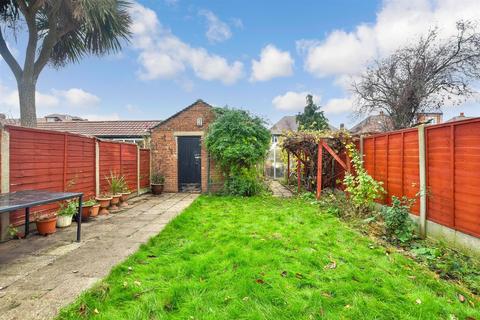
{"x": 116, "y": 183}
{"x": 237, "y": 141}
{"x": 362, "y": 189}
{"x": 398, "y": 225}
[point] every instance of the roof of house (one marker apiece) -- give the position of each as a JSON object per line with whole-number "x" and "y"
{"x": 289, "y": 123}
{"x": 459, "y": 118}
{"x": 182, "y": 111}
{"x": 373, "y": 124}
{"x": 111, "y": 129}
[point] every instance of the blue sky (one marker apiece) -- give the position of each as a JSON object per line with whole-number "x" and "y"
{"x": 263, "y": 56}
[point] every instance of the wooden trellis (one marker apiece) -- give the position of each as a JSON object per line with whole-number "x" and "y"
{"x": 316, "y": 154}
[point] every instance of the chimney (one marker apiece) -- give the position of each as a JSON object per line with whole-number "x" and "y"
{"x": 462, "y": 114}
{"x": 342, "y": 126}
{"x": 381, "y": 112}
{"x": 3, "y": 116}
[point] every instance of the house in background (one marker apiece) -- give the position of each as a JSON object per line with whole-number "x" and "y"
{"x": 459, "y": 118}
{"x": 135, "y": 131}
{"x": 381, "y": 122}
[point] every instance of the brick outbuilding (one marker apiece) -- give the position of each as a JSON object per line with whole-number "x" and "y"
{"x": 179, "y": 152}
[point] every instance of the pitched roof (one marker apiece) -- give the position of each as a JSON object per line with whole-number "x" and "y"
{"x": 289, "y": 123}
{"x": 182, "y": 111}
{"x": 462, "y": 116}
{"x": 111, "y": 129}
{"x": 373, "y": 124}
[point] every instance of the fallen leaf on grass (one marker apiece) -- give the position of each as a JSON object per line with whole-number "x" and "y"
{"x": 283, "y": 274}
{"x": 96, "y": 311}
{"x": 331, "y": 265}
{"x": 151, "y": 256}
{"x": 259, "y": 281}
{"x": 418, "y": 301}
{"x": 461, "y": 298}
{"x": 245, "y": 298}
{"x": 125, "y": 284}
{"x": 348, "y": 306}
{"x": 137, "y": 283}
{"x": 298, "y": 275}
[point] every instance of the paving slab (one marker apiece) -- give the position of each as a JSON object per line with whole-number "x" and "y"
{"x": 40, "y": 275}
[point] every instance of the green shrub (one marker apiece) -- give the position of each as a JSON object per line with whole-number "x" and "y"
{"x": 362, "y": 189}
{"x": 398, "y": 225}
{"x": 243, "y": 182}
{"x": 238, "y": 141}
{"x": 68, "y": 208}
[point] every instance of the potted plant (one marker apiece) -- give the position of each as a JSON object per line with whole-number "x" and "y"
{"x": 104, "y": 203}
{"x": 157, "y": 183}
{"x": 117, "y": 185}
{"x": 123, "y": 199}
{"x": 89, "y": 209}
{"x": 46, "y": 224}
{"x": 65, "y": 214}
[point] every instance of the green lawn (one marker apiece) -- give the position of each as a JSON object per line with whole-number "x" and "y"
{"x": 267, "y": 258}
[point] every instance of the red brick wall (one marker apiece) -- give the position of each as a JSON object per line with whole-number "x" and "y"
{"x": 164, "y": 144}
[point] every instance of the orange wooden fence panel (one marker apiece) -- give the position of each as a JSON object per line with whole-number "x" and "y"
{"x": 57, "y": 161}
{"x": 144, "y": 168}
{"x": 452, "y": 169}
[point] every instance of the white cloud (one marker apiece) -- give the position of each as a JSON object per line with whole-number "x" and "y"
{"x": 77, "y": 97}
{"x": 273, "y": 63}
{"x": 165, "y": 56}
{"x": 237, "y": 23}
{"x": 398, "y": 22}
{"x": 217, "y": 30}
{"x": 58, "y": 101}
{"x": 293, "y": 101}
{"x": 338, "y": 105}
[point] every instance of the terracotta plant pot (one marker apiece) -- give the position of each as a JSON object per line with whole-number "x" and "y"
{"x": 94, "y": 210}
{"x": 104, "y": 203}
{"x": 46, "y": 226}
{"x": 86, "y": 212}
{"x": 115, "y": 201}
{"x": 157, "y": 188}
{"x": 124, "y": 198}
{"x": 64, "y": 221}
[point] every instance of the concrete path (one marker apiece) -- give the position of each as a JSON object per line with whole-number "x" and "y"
{"x": 40, "y": 275}
{"x": 279, "y": 190}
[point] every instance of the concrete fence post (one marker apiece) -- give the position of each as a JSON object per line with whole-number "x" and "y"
{"x": 138, "y": 170}
{"x": 422, "y": 222}
{"x": 5, "y": 178}
{"x": 97, "y": 167}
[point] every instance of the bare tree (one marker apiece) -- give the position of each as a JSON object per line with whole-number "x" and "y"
{"x": 422, "y": 77}
{"x": 59, "y": 32}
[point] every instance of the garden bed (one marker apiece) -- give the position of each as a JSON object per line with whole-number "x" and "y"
{"x": 268, "y": 258}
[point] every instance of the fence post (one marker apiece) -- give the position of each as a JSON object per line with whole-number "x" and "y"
{"x": 319, "y": 168}
{"x": 97, "y": 167}
{"x": 423, "y": 181}
{"x": 362, "y": 150}
{"x": 138, "y": 170}
{"x": 5, "y": 178}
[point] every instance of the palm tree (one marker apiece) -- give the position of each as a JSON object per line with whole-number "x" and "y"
{"x": 59, "y": 32}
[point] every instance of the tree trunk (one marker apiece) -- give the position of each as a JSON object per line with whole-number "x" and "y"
{"x": 26, "y": 94}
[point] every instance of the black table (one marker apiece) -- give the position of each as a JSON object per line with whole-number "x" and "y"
{"x": 26, "y": 199}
